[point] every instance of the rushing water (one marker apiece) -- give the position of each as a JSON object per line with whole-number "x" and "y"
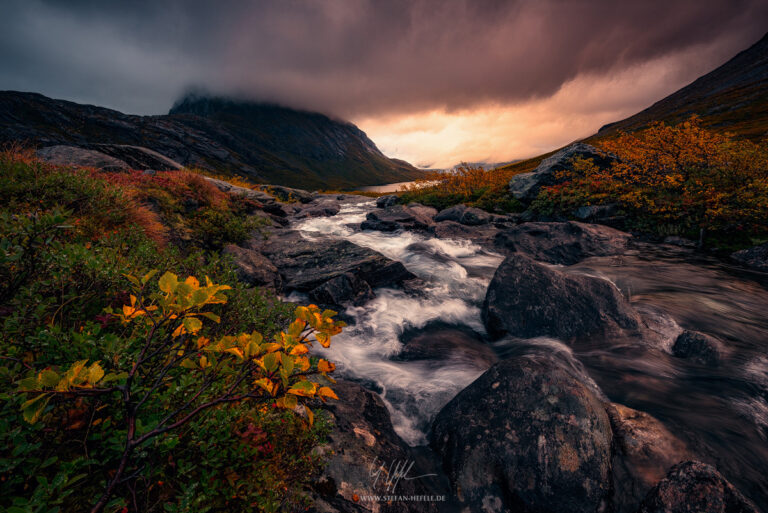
{"x": 721, "y": 412}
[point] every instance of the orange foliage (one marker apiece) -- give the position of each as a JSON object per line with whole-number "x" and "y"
{"x": 680, "y": 178}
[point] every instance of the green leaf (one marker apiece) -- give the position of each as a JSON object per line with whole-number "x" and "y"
{"x": 168, "y": 282}
{"x": 270, "y": 362}
{"x": 212, "y": 316}
{"x": 48, "y": 378}
{"x": 148, "y": 276}
{"x": 32, "y": 409}
{"x": 192, "y": 324}
{"x": 95, "y": 373}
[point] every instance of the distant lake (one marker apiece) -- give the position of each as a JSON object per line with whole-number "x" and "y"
{"x": 390, "y": 187}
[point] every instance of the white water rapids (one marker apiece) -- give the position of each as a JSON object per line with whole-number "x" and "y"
{"x": 456, "y": 274}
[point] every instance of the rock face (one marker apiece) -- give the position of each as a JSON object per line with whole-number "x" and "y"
{"x": 310, "y": 265}
{"x": 483, "y": 235}
{"x": 361, "y": 441}
{"x": 699, "y": 347}
{"x": 469, "y": 216}
{"x": 63, "y": 155}
{"x": 756, "y": 257}
{"x": 693, "y": 486}
{"x": 526, "y": 186}
{"x": 562, "y": 243}
{"x": 254, "y": 268}
{"x": 645, "y": 451}
{"x": 526, "y": 436}
{"x": 399, "y": 217}
{"x": 268, "y": 143}
{"x": 527, "y": 299}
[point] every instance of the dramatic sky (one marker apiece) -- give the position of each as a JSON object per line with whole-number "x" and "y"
{"x": 434, "y": 81}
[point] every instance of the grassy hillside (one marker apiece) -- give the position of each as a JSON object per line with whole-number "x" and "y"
{"x": 123, "y": 379}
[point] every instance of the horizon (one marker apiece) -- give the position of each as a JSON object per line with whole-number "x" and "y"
{"x": 407, "y": 75}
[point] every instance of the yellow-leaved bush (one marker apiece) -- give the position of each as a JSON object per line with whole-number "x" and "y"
{"x": 167, "y": 347}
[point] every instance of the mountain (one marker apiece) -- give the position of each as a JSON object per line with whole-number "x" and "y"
{"x": 733, "y": 98}
{"x": 264, "y": 142}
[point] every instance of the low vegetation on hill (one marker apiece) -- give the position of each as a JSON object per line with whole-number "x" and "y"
{"x": 136, "y": 371}
{"x": 668, "y": 180}
{"x": 674, "y": 180}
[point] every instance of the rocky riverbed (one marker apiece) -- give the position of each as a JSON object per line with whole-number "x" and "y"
{"x": 527, "y": 366}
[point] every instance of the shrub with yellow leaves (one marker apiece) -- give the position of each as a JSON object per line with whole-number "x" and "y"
{"x": 168, "y": 367}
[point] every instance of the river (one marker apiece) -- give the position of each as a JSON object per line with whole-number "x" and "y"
{"x": 721, "y": 413}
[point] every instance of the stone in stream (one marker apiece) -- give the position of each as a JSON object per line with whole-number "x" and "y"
{"x": 399, "y": 217}
{"x": 462, "y": 214}
{"x": 755, "y": 257}
{"x": 527, "y": 435}
{"x": 562, "y": 243}
{"x": 644, "y": 451}
{"x": 361, "y": 441}
{"x": 444, "y": 343}
{"x": 306, "y": 265}
{"x": 695, "y": 487}
{"x": 483, "y": 235}
{"x": 387, "y": 201}
{"x": 527, "y": 299}
{"x": 699, "y": 347}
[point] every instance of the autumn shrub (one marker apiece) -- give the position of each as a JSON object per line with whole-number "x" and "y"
{"x": 472, "y": 186}
{"x": 61, "y": 279}
{"x": 674, "y": 180}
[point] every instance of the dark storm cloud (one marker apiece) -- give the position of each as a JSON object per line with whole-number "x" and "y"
{"x": 351, "y": 57}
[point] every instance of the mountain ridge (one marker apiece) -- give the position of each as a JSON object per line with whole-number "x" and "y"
{"x": 263, "y": 142}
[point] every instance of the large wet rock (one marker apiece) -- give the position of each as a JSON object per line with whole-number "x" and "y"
{"x": 562, "y": 243}
{"x": 387, "y": 201}
{"x": 288, "y": 194}
{"x": 462, "y": 214}
{"x": 344, "y": 289}
{"x": 483, "y": 235}
{"x": 305, "y": 264}
{"x": 527, "y": 435}
{"x": 526, "y": 186}
{"x": 224, "y": 186}
{"x": 527, "y": 299}
{"x": 755, "y": 257}
{"x": 695, "y": 487}
{"x": 700, "y": 348}
{"x": 644, "y": 451}
{"x": 254, "y": 268}
{"x": 447, "y": 344}
{"x": 399, "y": 217}
{"x": 362, "y": 442}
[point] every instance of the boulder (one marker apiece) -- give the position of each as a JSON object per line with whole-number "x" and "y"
{"x": 484, "y": 235}
{"x": 398, "y": 217}
{"x": 63, "y": 155}
{"x": 260, "y": 196}
{"x": 341, "y": 290}
{"x": 387, "y": 201}
{"x": 361, "y": 442}
{"x": 755, "y": 257}
{"x": 527, "y": 299}
{"x": 526, "y": 186}
{"x": 447, "y": 344}
{"x": 644, "y": 451}
{"x": 591, "y": 212}
{"x": 306, "y": 264}
{"x": 254, "y": 268}
{"x": 288, "y": 194}
{"x": 562, "y": 243}
{"x": 695, "y": 487}
{"x": 699, "y": 347}
{"x": 326, "y": 210}
{"x": 527, "y": 435}
{"x": 469, "y": 216}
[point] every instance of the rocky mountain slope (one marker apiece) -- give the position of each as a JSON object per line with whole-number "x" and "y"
{"x": 266, "y": 143}
{"x": 733, "y": 97}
